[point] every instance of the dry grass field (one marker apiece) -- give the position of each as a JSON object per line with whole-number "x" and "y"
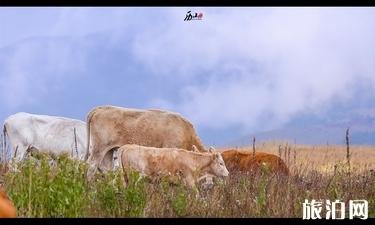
{"x": 317, "y": 172}
{"x": 321, "y": 158}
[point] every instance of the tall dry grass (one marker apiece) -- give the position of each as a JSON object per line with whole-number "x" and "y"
{"x": 40, "y": 189}
{"x": 320, "y": 158}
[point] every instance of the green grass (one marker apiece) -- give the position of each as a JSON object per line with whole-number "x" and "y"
{"x": 41, "y": 190}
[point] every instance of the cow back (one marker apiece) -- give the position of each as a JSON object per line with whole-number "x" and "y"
{"x": 242, "y": 161}
{"x": 117, "y": 126}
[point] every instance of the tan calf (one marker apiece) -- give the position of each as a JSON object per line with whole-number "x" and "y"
{"x": 154, "y": 162}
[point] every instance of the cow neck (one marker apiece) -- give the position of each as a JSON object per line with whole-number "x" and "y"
{"x": 207, "y": 159}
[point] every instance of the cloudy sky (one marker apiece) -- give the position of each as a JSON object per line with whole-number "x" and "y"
{"x": 236, "y": 71}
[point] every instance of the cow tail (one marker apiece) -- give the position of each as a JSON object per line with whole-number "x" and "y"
{"x": 4, "y": 145}
{"x": 120, "y": 151}
{"x": 119, "y": 156}
{"x": 89, "y": 116}
{"x": 75, "y": 142}
{"x": 88, "y": 137}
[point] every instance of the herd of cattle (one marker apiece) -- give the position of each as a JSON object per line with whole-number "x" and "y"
{"x": 152, "y": 142}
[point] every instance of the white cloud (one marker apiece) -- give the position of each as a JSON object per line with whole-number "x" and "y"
{"x": 261, "y": 66}
{"x": 35, "y": 68}
{"x": 285, "y": 61}
{"x": 20, "y": 22}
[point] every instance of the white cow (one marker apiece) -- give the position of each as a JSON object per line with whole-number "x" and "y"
{"x": 49, "y": 134}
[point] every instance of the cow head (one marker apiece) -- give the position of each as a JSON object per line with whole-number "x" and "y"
{"x": 217, "y": 165}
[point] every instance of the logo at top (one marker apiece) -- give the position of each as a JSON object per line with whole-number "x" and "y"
{"x": 196, "y": 16}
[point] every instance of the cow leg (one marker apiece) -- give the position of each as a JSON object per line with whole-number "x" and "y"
{"x": 107, "y": 162}
{"x": 190, "y": 181}
{"x": 17, "y": 155}
{"x": 126, "y": 178}
{"x": 91, "y": 170}
{"x": 94, "y": 161}
{"x": 116, "y": 160}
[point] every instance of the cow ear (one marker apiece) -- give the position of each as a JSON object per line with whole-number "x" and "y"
{"x": 211, "y": 149}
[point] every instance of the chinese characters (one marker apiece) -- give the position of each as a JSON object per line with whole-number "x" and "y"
{"x": 197, "y": 16}
{"x": 334, "y": 210}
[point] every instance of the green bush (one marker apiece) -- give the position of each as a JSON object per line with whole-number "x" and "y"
{"x": 41, "y": 191}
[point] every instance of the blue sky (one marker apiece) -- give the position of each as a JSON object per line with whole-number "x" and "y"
{"x": 235, "y": 72}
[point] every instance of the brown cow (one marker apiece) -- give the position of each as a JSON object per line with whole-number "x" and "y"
{"x": 243, "y": 161}
{"x": 111, "y": 127}
{"x": 7, "y": 209}
{"x": 155, "y": 162}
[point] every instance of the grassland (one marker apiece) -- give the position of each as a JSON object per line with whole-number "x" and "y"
{"x": 318, "y": 158}
{"x": 39, "y": 189}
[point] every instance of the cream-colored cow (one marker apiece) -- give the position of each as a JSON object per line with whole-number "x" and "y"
{"x": 155, "y": 162}
{"x": 110, "y": 127}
